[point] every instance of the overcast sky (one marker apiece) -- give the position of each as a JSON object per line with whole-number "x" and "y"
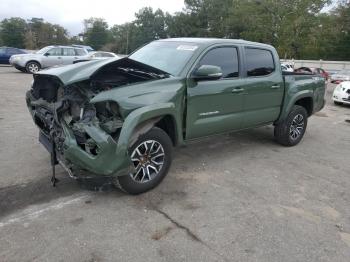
{"x": 71, "y": 13}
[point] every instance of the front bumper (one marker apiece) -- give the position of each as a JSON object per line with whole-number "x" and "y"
{"x": 18, "y": 63}
{"x": 111, "y": 159}
{"x": 341, "y": 97}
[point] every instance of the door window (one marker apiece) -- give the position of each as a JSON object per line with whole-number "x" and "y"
{"x": 106, "y": 55}
{"x": 224, "y": 57}
{"x": 259, "y": 62}
{"x": 68, "y": 52}
{"x": 54, "y": 52}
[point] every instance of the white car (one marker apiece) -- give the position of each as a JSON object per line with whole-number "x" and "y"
{"x": 341, "y": 94}
{"x": 287, "y": 67}
{"x": 102, "y": 55}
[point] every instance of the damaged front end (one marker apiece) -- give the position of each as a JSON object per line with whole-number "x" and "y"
{"x": 80, "y": 135}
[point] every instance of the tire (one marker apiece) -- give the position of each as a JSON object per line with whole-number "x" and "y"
{"x": 338, "y": 103}
{"x": 147, "y": 177}
{"x": 292, "y": 129}
{"x": 32, "y": 67}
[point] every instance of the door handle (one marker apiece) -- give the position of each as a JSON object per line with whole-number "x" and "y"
{"x": 237, "y": 90}
{"x": 59, "y": 57}
{"x": 275, "y": 86}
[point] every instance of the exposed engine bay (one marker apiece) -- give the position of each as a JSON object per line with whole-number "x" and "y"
{"x": 60, "y": 110}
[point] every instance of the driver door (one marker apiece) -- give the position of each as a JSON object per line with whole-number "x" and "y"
{"x": 216, "y": 106}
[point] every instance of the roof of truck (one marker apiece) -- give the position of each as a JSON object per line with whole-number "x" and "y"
{"x": 212, "y": 41}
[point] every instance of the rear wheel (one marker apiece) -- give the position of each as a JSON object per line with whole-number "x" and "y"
{"x": 292, "y": 129}
{"x": 32, "y": 67}
{"x": 151, "y": 157}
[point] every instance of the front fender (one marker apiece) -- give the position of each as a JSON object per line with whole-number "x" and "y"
{"x": 143, "y": 114}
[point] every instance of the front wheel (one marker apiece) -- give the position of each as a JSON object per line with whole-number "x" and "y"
{"x": 338, "y": 103}
{"x": 32, "y": 67}
{"x": 151, "y": 157}
{"x": 292, "y": 129}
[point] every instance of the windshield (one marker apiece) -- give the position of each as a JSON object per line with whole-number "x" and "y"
{"x": 344, "y": 72}
{"x": 43, "y": 50}
{"x": 170, "y": 57}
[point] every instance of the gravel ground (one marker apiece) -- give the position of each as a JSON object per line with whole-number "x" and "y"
{"x": 236, "y": 197}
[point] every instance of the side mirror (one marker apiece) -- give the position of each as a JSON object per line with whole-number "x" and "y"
{"x": 208, "y": 72}
{"x": 46, "y": 54}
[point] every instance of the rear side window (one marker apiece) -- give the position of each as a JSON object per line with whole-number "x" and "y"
{"x": 79, "y": 51}
{"x": 68, "y": 52}
{"x": 224, "y": 57}
{"x": 106, "y": 55}
{"x": 259, "y": 62}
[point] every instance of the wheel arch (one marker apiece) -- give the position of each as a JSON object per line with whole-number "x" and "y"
{"x": 143, "y": 119}
{"x": 304, "y": 98}
{"x": 33, "y": 60}
{"x": 306, "y": 102}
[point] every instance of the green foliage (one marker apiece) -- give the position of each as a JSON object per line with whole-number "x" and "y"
{"x": 31, "y": 34}
{"x": 96, "y": 32}
{"x": 12, "y": 31}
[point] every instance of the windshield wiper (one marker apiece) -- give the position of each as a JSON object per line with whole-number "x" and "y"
{"x": 137, "y": 71}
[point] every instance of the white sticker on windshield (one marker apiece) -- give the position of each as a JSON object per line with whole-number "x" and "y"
{"x": 187, "y": 47}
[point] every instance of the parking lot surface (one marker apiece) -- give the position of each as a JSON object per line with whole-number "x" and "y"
{"x": 236, "y": 197}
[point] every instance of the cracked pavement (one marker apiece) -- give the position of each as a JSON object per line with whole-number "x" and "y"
{"x": 235, "y": 197}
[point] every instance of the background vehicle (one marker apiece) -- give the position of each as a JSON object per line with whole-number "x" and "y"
{"x": 343, "y": 75}
{"x": 121, "y": 117}
{"x": 341, "y": 94}
{"x": 287, "y": 67}
{"x": 313, "y": 70}
{"x": 102, "y": 55}
{"x": 47, "y": 57}
{"x": 97, "y": 55}
{"x": 7, "y": 52}
{"x": 86, "y": 47}
{"x": 320, "y": 71}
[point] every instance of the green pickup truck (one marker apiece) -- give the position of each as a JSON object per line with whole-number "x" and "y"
{"x": 120, "y": 118}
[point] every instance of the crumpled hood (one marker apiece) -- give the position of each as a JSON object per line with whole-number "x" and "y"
{"x": 76, "y": 72}
{"x": 84, "y": 70}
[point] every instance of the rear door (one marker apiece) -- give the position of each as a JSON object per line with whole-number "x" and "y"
{"x": 68, "y": 56}
{"x": 264, "y": 88}
{"x": 216, "y": 106}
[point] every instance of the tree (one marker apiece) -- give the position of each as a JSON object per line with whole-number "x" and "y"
{"x": 12, "y": 31}
{"x": 96, "y": 32}
{"x": 41, "y": 33}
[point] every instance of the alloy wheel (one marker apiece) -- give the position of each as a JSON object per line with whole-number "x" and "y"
{"x": 148, "y": 159}
{"x": 297, "y": 127}
{"x": 33, "y": 68}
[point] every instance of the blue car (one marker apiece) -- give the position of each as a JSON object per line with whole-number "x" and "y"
{"x": 7, "y": 52}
